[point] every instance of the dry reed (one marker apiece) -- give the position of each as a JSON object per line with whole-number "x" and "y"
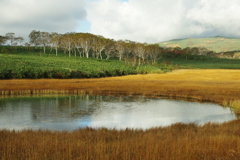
{"x": 233, "y": 104}
{"x": 179, "y": 141}
{"x": 203, "y": 85}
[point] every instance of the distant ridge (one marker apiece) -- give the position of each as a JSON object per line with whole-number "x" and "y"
{"x": 177, "y": 39}
{"x": 217, "y": 43}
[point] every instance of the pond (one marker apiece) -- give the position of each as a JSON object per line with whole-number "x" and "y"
{"x": 74, "y": 112}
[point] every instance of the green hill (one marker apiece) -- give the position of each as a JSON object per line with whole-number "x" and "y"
{"x": 217, "y": 44}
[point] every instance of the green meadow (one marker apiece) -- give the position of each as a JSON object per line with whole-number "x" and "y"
{"x": 217, "y": 44}
{"x": 201, "y": 62}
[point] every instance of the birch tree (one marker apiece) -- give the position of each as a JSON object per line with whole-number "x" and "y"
{"x": 100, "y": 44}
{"x": 2, "y": 39}
{"x": 14, "y": 41}
{"x": 34, "y": 37}
{"x": 77, "y": 43}
{"x": 10, "y": 37}
{"x": 44, "y": 40}
{"x": 140, "y": 52}
{"x": 110, "y": 49}
{"x": 86, "y": 43}
{"x": 55, "y": 41}
{"x": 66, "y": 43}
{"x": 154, "y": 51}
{"x": 129, "y": 53}
{"x": 18, "y": 40}
{"x": 121, "y": 48}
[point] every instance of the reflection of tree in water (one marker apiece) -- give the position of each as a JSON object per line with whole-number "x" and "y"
{"x": 14, "y": 108}
{"x": 125, "y": 99}
{"x": 54, "y": 108}
{"x": 64, "y": 107}
{"x": 3, "y": 105}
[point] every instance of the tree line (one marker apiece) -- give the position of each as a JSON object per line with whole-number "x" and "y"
{"x": 90, "y": 45}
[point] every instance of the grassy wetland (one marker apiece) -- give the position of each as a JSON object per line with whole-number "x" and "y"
{"x": 178, "y": 141}
{"x": 219, "y": 86}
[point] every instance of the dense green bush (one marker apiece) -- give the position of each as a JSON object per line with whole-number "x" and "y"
{"x": 32, "y": 65}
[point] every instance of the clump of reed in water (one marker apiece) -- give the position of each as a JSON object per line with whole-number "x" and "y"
{"x": 234, "y": 105}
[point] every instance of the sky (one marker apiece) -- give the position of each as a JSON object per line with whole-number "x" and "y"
{"x": 148, "y": 21}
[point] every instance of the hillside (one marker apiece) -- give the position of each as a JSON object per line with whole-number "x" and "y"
{"x": 217, "y": 44}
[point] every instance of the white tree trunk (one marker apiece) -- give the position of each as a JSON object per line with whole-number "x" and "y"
{"x": 69, "y": 49}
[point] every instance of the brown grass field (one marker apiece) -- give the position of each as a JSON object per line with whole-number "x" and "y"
{"x": 213, "y": 85}
{"x": 176, "y": 142}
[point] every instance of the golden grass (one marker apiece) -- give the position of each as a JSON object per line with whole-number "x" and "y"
{"x": 204, "y": 85}
{"x": 179, "y": 141}
{"x": 233, "y": 104}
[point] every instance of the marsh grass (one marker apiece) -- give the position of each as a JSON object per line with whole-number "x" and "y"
{"x": 233, "y": 104}
{"x": 178, "y": 141}
{"x": 203, "y": 85}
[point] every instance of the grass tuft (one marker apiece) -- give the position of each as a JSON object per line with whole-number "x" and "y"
{"x": 235, "y": 105}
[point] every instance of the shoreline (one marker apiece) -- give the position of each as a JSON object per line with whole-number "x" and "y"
{"x": 197, "y": 84}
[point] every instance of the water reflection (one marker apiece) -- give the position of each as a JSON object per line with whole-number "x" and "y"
{"x": 73, "y": 112}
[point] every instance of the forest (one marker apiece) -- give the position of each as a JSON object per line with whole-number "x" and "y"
{"x": 90, "y": 45}
{"x": 85, "y": 55}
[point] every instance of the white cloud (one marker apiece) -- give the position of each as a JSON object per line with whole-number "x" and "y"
{"x": 23, "y": 16}
{"x": 216, "y": 17}
{"x": 138, "y": 20}
{"x": 159, "y": 20}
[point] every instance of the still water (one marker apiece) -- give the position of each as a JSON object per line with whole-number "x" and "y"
{"x": 74, "y": 112}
